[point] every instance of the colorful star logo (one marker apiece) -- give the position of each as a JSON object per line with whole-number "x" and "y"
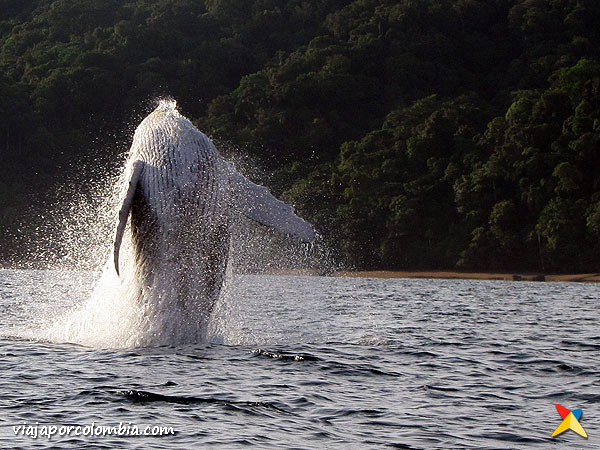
{"x": 570, "y": 421}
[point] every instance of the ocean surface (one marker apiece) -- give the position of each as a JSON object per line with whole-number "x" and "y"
{"x": 312, "y": 362}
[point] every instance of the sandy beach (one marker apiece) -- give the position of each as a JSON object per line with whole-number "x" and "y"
{"x": 446, "y": 274}
{"x": 582, "y": 277}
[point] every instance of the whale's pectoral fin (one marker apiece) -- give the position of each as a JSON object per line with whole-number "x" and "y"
{"x": 136, "y": 173}
{"x": 258, "y": 204}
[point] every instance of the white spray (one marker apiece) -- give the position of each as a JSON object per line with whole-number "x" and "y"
{"x": 180, "y": 201}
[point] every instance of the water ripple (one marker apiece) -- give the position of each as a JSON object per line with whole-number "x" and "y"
{"x": 333, "y": 363}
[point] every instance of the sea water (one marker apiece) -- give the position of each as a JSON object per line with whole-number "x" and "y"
{"x": 310, "y": 362}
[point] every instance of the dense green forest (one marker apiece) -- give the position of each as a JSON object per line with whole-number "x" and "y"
{"x": 412, "y": 133}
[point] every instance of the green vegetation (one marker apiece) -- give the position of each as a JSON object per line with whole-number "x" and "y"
{"x": 413, "y": 133}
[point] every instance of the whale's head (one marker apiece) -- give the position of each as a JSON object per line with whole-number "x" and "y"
{"x": 164, "y": 119}
{"x": 163, "y": 132}
{"x": 167, "y": 104}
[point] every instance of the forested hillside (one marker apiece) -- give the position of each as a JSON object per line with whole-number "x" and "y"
{"x": 415, "y": 134}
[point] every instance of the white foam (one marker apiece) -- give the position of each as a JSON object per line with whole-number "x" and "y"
{"x": 121, "y": 311}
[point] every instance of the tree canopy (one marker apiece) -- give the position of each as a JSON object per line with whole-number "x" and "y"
{"x": 413, "y": 133}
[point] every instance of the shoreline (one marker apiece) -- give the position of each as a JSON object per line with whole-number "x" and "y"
{"x": 416, "y": 274}
{"x": 457, "y": 275}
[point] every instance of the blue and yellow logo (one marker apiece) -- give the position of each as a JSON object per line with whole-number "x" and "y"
{"x": 570, "y": 421}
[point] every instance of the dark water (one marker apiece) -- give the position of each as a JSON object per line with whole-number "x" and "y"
{"x": 309, "y": 362}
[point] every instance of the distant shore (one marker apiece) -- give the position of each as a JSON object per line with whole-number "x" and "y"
{"x": 435, "y": 274}
{"x": 507, "y": 276}
{"x": 447, "y": 275}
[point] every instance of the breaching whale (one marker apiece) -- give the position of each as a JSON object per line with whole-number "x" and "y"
{"x": 180, "y": 201}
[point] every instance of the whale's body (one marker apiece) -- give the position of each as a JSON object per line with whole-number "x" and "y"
{"x": 180, "y": 201}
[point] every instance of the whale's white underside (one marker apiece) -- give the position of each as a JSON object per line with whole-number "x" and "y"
{"x": 180, "y": 201}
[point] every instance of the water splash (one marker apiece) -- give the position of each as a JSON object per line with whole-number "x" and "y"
{"x": 115, "y": 313}
{"x": 167, "y": 104}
